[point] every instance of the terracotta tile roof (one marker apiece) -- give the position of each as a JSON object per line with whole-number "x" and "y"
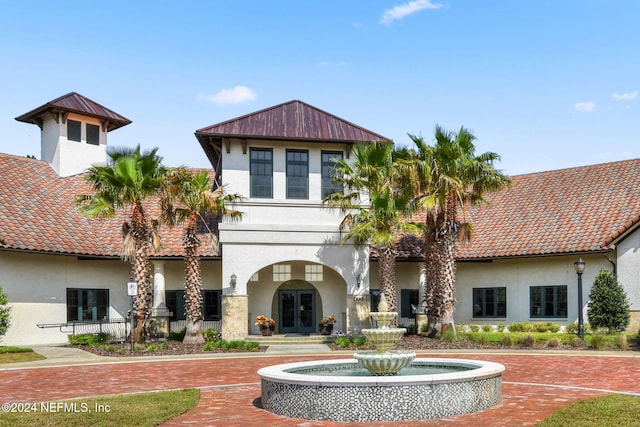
{"x": 580, "y": 209}
{"x": 76, "y": 103}
{"x": 38, "y": 213}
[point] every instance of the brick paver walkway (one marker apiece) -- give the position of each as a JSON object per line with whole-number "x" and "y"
{"x": 534, "y": 386}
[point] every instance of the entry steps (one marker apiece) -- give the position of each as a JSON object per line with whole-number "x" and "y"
{"x": 288, "y": 339}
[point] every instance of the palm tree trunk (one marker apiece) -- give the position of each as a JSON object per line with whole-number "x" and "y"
{"x": 141, "y": 273}
{"x": 193, "y": 286}
{"x": 387, "y": 272}
{"x": 440, "y": 268}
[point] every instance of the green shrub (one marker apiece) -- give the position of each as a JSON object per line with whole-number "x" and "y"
{"x": 545, "y": 327}
{"x": 152, "y": 348}
{"x": 177, "y": 335}
{"x": 93, "y": 340}
{"x": 520, "y": 327}
{"x": 527, "y": 340}
{"x": 506, "y": 341}
{"x": 474, "y": 328}
{"x": 571, "y": 328}
{"x": 576, "y": 342}
{"x": 359, "y": 341}
{"x": 212, "y": 345}
{"x": 4, "y": 313}
{"x": 411, "y": 330}
{"x": 449, "y": 336}
{"x": 138, "y": 347}
{"x": 210, "y": 335}
{"x": 343, "y": 342}
{"x": 501, "y": 327}
{"x": 554, "y": 342}
{"x": 608, "y": 305}
{"x": 486, "y": 328}
{"x": 621, "y": 341}
{"x": 251, "y": 346}
{"x": 598, "y": 341}
{"x": 108, "y": 347}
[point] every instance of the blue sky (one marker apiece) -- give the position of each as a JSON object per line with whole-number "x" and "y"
{"x": 546, "y": 84}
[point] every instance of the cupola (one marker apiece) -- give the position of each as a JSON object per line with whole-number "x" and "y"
{"x": 73, "y": 132}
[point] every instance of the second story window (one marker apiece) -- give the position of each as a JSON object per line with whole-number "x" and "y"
{"x": 297, "y": 174}
{"x": 74, "y": 130}
{"x": 93, "y": 134}
{"x": 328, "y": 164}
{"x": 261, "y": 172}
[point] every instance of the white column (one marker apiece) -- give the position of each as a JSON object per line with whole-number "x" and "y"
{"x": 421, "y": 317}
{"x": 159, "y": 299}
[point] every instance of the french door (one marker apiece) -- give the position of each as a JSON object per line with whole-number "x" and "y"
{"x": 297, "y": 311}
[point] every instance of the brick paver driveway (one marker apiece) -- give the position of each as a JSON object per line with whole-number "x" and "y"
{"x": 534, "y": 385}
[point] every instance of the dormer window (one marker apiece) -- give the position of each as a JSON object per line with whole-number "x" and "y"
{"x": 74, "y": 130}
{"x": 93, "y": 134}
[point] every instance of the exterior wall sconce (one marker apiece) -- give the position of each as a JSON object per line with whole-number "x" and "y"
{"x": 233, "y": 280}
{"x": 359, "y": 281}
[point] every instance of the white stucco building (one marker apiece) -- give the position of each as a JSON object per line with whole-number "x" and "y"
{"x": 286, "y": 259}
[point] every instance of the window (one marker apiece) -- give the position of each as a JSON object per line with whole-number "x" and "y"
{"x": 548, "y": 301}
{"x": 375, "y": 299}
{"x": 313, "y": 273}
{"x": 93, "y": 134}
{"x": 281, "y": 272}
{"x": 408, "y": 300}
{"x": 74, "y": 130}
{"x": 87, "y": 305}
{"x": 490, "y": 302}
{"x": 297, "y": 174}
{"x": 328, "y": 164}
{"x": 211, "y": 305}
{"x": 261, "y": 171}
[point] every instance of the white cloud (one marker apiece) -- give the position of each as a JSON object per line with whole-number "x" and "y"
{"x": 629, "y": 96}
{"x": 584, "y": 107}
{"x": 236, "y": 95}
{"x": 399, "y": 12}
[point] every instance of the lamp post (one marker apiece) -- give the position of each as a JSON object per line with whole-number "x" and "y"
{"x": 132, "y": 291}
{"x": 579, "y": 266}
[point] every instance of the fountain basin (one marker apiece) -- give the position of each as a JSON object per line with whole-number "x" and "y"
{"x": 300, "y": 390}
{"x": 389, "y": 363}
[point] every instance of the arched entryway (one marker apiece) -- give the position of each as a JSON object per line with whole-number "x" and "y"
{"x": 298, "y": 301}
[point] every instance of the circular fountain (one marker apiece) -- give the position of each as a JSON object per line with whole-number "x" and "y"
{"x": 381, "y": 385}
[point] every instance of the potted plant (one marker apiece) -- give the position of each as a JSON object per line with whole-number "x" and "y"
{"x": 326, "y": 324}
{"x": 266, "y": 324}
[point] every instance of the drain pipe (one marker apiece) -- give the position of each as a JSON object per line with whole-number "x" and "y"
{"x": 615, "y": 267}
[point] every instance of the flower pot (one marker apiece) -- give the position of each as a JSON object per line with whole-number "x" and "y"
{"x": 326, "y": 328}
{"x": 266, "y": 332}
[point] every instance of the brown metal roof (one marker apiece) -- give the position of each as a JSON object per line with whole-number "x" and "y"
{"x": 292, "y": 120}
{"x": 75, "y": 103}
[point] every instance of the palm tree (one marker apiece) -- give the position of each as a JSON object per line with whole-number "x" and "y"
{"x": 448, "y": 178}
{"x": 128, "y": 179}
{"x": 188, "y": 199}
{"x": 377, "y": 220}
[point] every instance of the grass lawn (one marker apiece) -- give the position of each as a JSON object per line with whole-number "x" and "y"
{"x": 9, "y": 354}
{"x": 143, "y": 409}
{"x": 613, "y": 410}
